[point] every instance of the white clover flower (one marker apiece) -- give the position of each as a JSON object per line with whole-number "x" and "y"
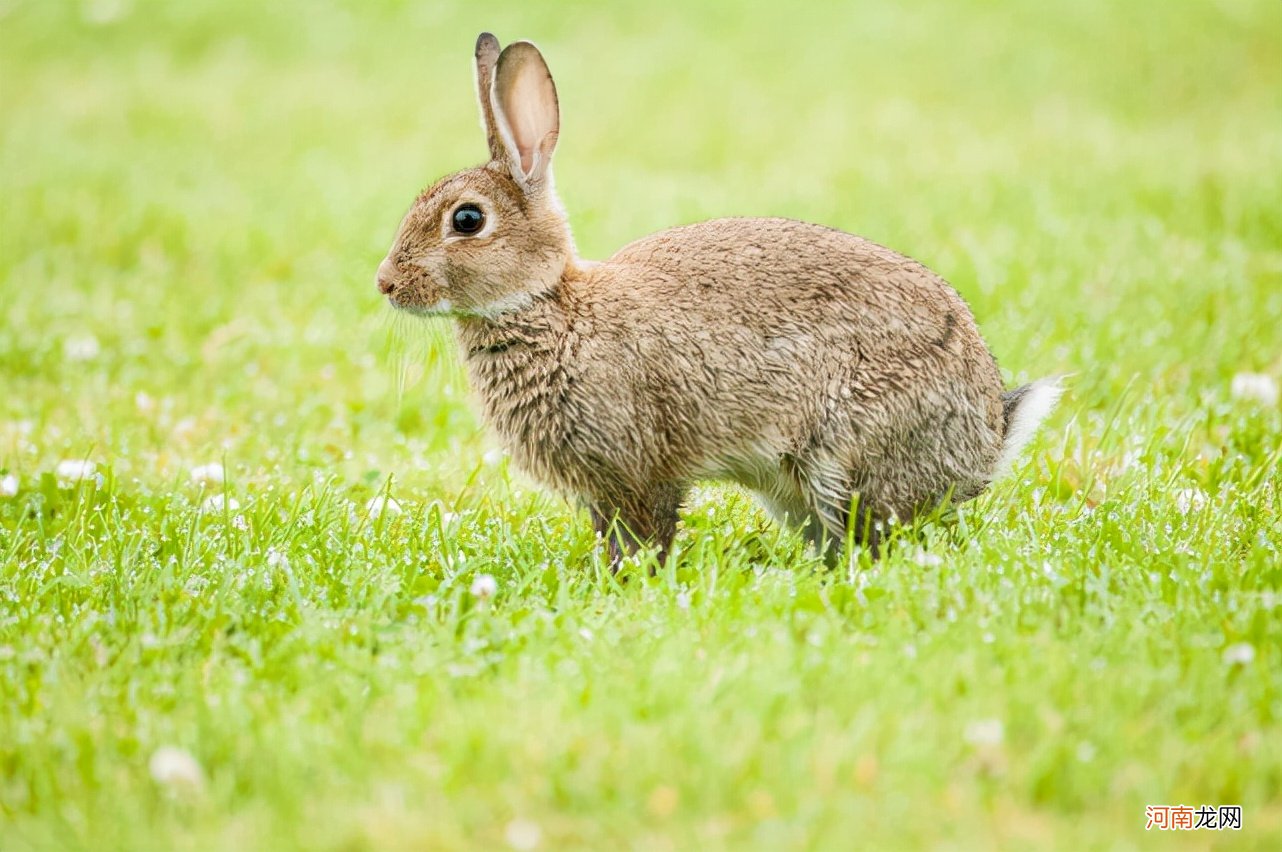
{"x": 523, "y": 835}
{"x": 928, "y": 560}
{"x": 985, "y": 732}
{"x": 1255, "y": 387}
{"x": 176, "y": 769}
{"x": 71, "y": 471}
{"x": 382, "y": 504}
{"x": 9, "y": 486}
{"x": 82, "y": 348}
{"x": 219, "y": 503}
{"x": 1190, "y": 499}
{"x": 484, "y": 586}
{"x": 208, "y": 474}
{"x": 1239, "y": 654}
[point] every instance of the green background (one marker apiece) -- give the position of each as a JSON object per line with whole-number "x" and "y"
{"x": 194, "y": 199}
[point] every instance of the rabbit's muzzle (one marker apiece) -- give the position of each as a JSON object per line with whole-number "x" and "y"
{"x": 386, "y": 277}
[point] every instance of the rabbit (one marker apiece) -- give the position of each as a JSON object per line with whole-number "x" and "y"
{"x": 846, "y": 385}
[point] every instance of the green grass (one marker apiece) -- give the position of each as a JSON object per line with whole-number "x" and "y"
{"x": 195, "y": 197}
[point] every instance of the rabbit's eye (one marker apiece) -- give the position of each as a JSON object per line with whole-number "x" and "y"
{"x": 468, "y": 219}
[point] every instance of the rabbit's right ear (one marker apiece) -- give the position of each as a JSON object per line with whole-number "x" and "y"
{"x": 527, "y": 114}
{"x": 487, "y": 56}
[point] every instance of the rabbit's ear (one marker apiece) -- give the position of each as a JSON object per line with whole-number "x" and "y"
{"x": 487, "y": 56}
{"x": 526, "y": 109}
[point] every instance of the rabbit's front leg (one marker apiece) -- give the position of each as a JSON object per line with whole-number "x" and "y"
{"x": 643, "y": 518}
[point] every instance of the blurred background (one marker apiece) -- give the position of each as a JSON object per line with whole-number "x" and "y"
{"x": 194, "y": 197}
{"x": 196, "y": 194}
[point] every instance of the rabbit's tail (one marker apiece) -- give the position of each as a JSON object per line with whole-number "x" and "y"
{"x": 1025, "y": 407}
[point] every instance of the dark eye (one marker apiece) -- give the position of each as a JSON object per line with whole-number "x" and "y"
{"x": 468, "y": 219}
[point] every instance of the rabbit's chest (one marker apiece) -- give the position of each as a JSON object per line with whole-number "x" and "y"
{"x": 536, "y": 407}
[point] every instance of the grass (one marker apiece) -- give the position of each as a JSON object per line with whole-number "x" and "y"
{"x": 195, "y": 198}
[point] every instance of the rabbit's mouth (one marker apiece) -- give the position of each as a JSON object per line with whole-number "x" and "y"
{"x": 440, "y": 308}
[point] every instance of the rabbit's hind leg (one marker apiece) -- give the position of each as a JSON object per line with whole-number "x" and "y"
{"x": 791, "y": 510}
{"x": 838, "y": 504}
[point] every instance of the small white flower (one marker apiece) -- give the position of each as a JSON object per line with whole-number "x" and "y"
{"x": 143, "y": 401}
{"x": 219, "y": 503}
{"x": 1255, "y": 387}
{"x": 683, "y": 600}
{"x": 175, "y": 768}
{"x": 208, "y": 474}
{"x": 1190, "y": 499}
{"x": 9, "y": 486}
{"x": 928, "y": 560}
{"x": 523, "y": 835}
{"x": 276, "y": 559}
{"x": 382, "y": 504}
{"x": 484, "y": 586}
{"x": 1239, "y": 654}
{"x": 82, "y": 348}
{"x": 71, "y": 471}
{"x": 493, "y": 457}
{"x": 985, "y": 732}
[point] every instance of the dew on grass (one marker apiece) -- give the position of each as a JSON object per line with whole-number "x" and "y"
{"x": 1189, "y": 500}
{"x": 219, "y": 503}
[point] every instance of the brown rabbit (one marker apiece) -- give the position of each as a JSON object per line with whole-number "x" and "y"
{"x": 838, "y": 380}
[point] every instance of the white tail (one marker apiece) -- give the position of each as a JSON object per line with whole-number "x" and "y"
{"x": 1026, "y": 407}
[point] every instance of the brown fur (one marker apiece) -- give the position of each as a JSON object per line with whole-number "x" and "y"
{"x": 814, "y": 367}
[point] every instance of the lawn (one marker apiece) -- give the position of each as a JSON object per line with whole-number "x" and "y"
{"x": 247, "y": 513}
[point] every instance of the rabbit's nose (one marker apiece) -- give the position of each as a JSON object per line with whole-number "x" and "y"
{"x": 386, "y": 276}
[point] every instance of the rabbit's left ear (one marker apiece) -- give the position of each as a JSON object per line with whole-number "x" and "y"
{"x": 487, "y": 55}
{"x": 526, "y": 112}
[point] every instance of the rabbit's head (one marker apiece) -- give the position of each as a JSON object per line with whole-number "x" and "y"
{"x": 488, "y": 240}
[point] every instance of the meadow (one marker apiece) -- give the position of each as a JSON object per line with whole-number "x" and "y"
{"x": 266, "y": 582}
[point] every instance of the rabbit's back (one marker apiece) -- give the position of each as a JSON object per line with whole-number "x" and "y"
{"x": 729, "y": 344}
